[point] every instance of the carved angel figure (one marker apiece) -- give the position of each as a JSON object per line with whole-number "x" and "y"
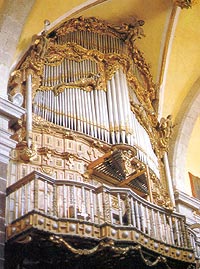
{"x": 165, "y": 127}
{"x": 40, "y": 44}
{"x": 135, "y": 31}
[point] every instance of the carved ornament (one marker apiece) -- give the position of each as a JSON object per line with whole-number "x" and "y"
{"x": 165, "y": 130}
{"x": 45, "y": 50}
{"x": 26, "y": 153}
{"x": 108, "y": 244}
{"x": 88, "y": 84}
{"x": 108, "y": 64}
{"x": 159, "y": 193}
{"x": 128, "y": 32}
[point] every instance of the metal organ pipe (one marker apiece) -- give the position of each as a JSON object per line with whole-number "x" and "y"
{"x": 93, "y": 113}
{"x": 110, "y": 113}
{"x": 28, "y": 109}
{"x": 118, "y": 91}
{"x": 116, "y": 120}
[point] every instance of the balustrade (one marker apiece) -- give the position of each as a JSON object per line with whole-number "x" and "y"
{"x": 65, "y": 199}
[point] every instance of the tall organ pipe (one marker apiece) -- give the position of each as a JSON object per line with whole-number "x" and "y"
{"x": 28, "y": 108}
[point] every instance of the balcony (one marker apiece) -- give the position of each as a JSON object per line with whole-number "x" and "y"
{"x": 64, "y": 209}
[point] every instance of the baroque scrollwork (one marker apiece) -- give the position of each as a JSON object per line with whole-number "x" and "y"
{"x": 46, "y": 50}
{"x": 128, "y": 32}
{"x": 109, "y": 244}
{"x": 108, "y": 64}
{"x": 160, "y": 195}
{"x": 88, "y": 84}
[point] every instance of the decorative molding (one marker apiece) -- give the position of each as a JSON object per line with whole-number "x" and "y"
{"x": 12, "y": 113}
{"x": 10, "y": 110}
{"x": 6, "y": 145}
{"x": 35, "y": 221}
{"x": 183, "y": 198}
{"x": 109, "y": 244}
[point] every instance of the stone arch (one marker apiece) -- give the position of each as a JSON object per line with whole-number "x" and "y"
{"x": 69, "y": 13}
{"x": 12, "y": 18}
{"x": 185, "y": 120}
{"x": 13, "y": 15}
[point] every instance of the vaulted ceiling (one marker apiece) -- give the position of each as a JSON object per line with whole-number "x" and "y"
{"x": 170, "y": 46}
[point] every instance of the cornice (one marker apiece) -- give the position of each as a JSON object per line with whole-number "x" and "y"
{"x": 9, "y": 110}
{"x": 183, "y": 198}
{"x": 6, "y": 144}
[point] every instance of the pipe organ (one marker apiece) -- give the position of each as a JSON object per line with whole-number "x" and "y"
{"x": 88, "y": 164}
{"x": 89, "y": 80}
{"x": 79, "y": 93}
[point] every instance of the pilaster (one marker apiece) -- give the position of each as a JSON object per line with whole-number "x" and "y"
{"x": 9, "y": 114}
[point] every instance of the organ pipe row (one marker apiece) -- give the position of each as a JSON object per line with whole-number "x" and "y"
{"x": 68, "y": 71}
{"x": 91, "y": 40}
{"x": 105, "y": 115}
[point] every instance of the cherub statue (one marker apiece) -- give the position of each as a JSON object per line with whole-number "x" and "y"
{"x": 165, "y": 129}
{"x": 40, "y": 44}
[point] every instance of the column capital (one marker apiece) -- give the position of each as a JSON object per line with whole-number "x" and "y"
{"x": 184, "y": 3}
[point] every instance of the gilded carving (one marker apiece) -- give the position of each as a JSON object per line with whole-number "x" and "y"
{"x": 126, "y": 157}
{"x": 142, "y": 115}
{"x": 151, "y": 94}
{"x": 45, "y": 50}
{"x": 129, "y": 32}
{"x": 40, "y": 44}
{"x": 48, "y": 51}
{"x": 88, "y": 84}
{"x": 109, "y": 244}
{"x": 47, "y": 170}
{"x": 28, "y": 153}
{"x": 160, "y": 195}
{"x": 15, "y": 82}
{"x": 165, "y": 129}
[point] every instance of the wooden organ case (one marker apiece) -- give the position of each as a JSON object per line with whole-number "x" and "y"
{"x": 90, "y": 139}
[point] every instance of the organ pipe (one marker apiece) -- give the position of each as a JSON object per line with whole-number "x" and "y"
{"x": 28, "y": 109}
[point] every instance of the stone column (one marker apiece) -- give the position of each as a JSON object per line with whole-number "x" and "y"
{"x": 169, "y": 180}
{"x": 8, "y": 113}
{"x": 13, "y": 14}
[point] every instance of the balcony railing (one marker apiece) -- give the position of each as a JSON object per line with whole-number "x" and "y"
{"x": 66, "y": 200}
